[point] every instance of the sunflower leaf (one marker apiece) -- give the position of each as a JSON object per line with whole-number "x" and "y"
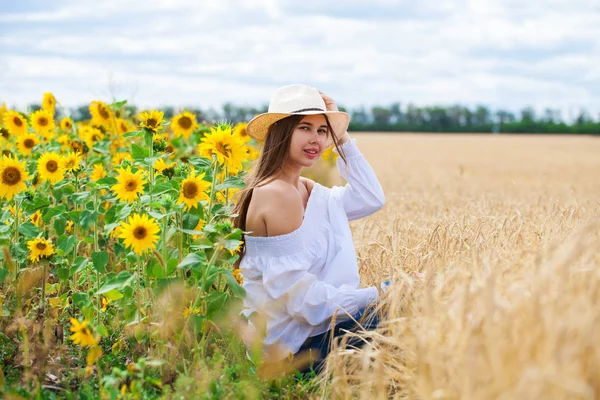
{"x": 231, "y": 182}
{"x": 138, "y": 152}
{"x": 201, "y": 162}
{"x": 193, "y": 260}
{"x": 163, "y": 187}
{"x": 28, "y": 229}
{"x": 132, "y": 134}
{"x": 235, "y": 287}
{"x": 117, "y": 283}
{"x": 100, "y": 260}
{"x": 66, "y": 243}
{"x": 106, "y": 181}
{"x": 54, "y": 211}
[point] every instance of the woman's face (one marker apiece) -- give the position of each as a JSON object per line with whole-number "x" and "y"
{"x": 308, "y": 140}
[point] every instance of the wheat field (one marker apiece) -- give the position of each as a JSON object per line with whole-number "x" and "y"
{"x": 493, "y": 246}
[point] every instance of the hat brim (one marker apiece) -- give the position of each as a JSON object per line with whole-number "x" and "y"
{"x": 258, "y": 127}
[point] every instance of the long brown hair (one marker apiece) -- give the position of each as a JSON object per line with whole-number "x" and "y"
{"x": 270, "y": 163}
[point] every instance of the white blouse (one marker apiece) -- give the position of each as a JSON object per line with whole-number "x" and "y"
{"x": 299, "y": 280}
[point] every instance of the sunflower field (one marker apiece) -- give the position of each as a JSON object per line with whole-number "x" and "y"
{"x": 117, "y": 255}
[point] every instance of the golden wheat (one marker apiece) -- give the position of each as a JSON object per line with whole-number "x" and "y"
{"x": 492, "y": 243}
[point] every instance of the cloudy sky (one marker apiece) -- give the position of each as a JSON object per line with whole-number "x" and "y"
{"x": 500, "y": 53}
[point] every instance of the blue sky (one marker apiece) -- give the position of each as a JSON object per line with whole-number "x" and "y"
{"x": 501, "y": 53}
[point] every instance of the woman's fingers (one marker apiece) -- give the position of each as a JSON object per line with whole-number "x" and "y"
{"x": 329, "y": 102}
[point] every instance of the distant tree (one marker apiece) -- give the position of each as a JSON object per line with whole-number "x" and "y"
{"x": 169, "y": 112}
{"x": 396, "y": 111}
{"x": 381, "y": 115}
{"x": 504, "y": 117}
{"x": 528, "y": 115}
{"x": 482, "y": 115}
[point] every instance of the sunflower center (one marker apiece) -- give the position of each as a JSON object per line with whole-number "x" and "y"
{"x": 95, "y": 138}
{"x": 52, "y": 166}
{"x": 17, "y": 121}
{"x": 29, "y": 143}
{"x": 243, "y": 132}
{"x": 131, "y": 185}
{"x": 123, "y": 127}
{"x": 140, "y": 232}
{"x": 190, "y": 190}
{"x": 222, "y": 149}
{"x": 67, "y": 125}
{"x": 151, "y": 122}
{"x": 43, "y": 121}
{"x": 70, "y": 163}
{"x": 4, "y": 133}
{"x": 185, "y": 122}
{"x": 103, "y": 112}
{"x": 11, "y": 176}
{"x": 41, "y": 246}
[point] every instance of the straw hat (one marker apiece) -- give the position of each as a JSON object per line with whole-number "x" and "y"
{"x": 296, "y": 100}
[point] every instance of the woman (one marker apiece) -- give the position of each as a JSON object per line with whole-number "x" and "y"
{"x": 298, "y": 262}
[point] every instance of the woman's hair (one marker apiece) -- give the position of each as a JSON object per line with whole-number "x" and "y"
{"x": 272, "y": 159}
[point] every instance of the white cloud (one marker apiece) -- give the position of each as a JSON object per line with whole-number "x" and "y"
{"x": 503, "y": 53}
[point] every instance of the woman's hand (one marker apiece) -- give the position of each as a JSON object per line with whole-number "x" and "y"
{"x": 331, "y": 106}
{"x": 329, "y": 102}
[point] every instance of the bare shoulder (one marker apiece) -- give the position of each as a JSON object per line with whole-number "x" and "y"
{"x": 280, "y": 205}
{"x": 309, "y": 183}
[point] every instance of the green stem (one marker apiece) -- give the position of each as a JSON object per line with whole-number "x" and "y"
{"x": 226, "y": 190}
{"x": 164, "y": 243}
{"x": 139, "y": 277}
{"x": 151, "y": 167}
{"x": 96, "y": 249}
{"x": 16, "y": 263}
{"x": 212, "y": 190}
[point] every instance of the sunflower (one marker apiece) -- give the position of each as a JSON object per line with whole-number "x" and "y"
{"x": 193, "y": 189}
{"x": 36, "y": 218}
{"x": 81, "y": 333}
{"x": 151, "y": 120}
{"x": 184, "y": 124}
{"x": 91, "y": 135}
{"x": 50, "y": 167}
{"x": 42, "y": 121}
{"x": 98, "y": 173}
{"x": 199, "y": 227}
{"x": 190, "y": 310}
{"x": 15, "y": 123}
{"x": 160, "y": 165}
{"x": 329, "y": 155}
{"x": 79, "y": 146}
{"x": 49, "y": 102}
{"x": 39, "y": 247}
{"x": 12, "y": 177}
{"x": 122, "y": 126}
{"x": 118, "y": 158}
{"x": 69, "y": 227}
{"x": 140, "y": 233}
{"x": 116, "y": 144}
{"x": 130, "y": 185}
{"x": 101, "y": 114}
{"x": 229, "y": 149}
{"x": 252, "y": 153}
{"x": 239, "y": 130}
{"x": 66, "y": 124}
{"x": 237, "y": 274}
{"x": 72, "y": 161}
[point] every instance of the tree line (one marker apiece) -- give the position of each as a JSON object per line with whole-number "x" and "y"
{"x": 411, "y": 118}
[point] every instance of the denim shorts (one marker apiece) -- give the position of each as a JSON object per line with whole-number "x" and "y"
{"x": 319, "y": 346}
